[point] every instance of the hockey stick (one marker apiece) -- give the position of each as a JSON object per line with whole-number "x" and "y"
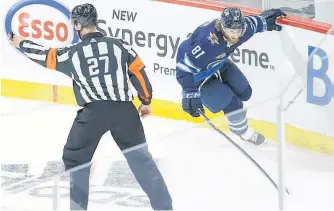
{"x": 242, "y": 150}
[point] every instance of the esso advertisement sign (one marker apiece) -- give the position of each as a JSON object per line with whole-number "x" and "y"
{"x": 31, "y": 24}
{"x": 46, "y": 22}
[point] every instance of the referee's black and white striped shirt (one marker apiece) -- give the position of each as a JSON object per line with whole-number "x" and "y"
{"x": 101, "y": 68}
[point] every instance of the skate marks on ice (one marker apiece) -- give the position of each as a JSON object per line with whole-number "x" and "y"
{"x": 296, "y": 156}
{"x": 199, "y": 174}
{"x": 117, "y": 188}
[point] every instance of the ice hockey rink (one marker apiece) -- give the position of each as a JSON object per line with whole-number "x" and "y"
{"x": 202, "y": 170}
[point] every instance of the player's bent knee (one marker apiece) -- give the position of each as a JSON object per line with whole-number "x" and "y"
{"x": 235, "y": 104}
{"x": 246, "y": 95}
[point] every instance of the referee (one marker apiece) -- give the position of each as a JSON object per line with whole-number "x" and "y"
{"x": 101, "y": 69}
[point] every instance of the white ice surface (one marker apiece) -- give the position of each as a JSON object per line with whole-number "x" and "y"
{"x": 202, "y": 170}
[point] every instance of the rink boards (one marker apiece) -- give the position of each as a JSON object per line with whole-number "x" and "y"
{"x": 155, "y": 29}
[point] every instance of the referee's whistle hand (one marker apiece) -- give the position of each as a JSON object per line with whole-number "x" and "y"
{"x": 15, "y": 40}
{"x": 144, "y": 110}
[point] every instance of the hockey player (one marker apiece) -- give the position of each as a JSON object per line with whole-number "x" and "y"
{"x": 101, "y": 68}
{"x": 209, "y": 78}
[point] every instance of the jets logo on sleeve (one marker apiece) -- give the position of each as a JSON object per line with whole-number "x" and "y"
{"x": 213, "y": 38}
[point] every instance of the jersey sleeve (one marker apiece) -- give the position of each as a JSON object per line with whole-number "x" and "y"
{"x": 137, "y": 75}
{"x": 186, "y": 80}
{"x": 185, "y": 70}
{"x": 255, "y": 24}
{"x": 51, "y": 58}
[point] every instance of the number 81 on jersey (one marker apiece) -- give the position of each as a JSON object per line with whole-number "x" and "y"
{"x": 197, "y": 51}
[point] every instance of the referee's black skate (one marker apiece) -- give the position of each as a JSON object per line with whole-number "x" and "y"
{"x": 254, "y": 138}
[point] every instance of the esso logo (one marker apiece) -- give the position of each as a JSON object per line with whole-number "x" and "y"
{"x": 45, "y": 22}
{"x": 38, "y": 28}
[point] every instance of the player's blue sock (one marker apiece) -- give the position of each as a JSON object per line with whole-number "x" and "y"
{"x": 238, "y": 123}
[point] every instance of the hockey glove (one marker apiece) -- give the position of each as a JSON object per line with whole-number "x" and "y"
{"x": 191, "y": 102}
{"x": 270, "y": 16}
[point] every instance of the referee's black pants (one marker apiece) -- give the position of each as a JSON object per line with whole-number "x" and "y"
{"x": 123, "y": 121}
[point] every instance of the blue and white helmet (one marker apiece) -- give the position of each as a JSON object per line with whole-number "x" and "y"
{"x": 233, "y": 18}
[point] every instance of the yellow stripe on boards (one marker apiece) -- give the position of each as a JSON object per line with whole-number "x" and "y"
{"x": 162, "y": 108}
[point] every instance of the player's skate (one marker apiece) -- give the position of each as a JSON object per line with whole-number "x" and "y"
{"x": 253, "y": 137}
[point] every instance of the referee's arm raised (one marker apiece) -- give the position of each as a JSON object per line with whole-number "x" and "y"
{"x": 51, "y": 58}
